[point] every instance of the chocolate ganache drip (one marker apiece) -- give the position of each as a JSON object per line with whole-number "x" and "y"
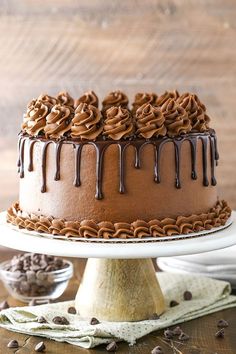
{"x": 88, "y": 97}
{"x": 208, "y": 140}
{"x": 86, "y": 123}
{"x": 150, "y": 121}
{"x": 118, "y": 123}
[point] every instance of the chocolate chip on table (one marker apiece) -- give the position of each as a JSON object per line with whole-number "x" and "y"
{"x": 4, "y": 305}
{"x": 72, "y": 310}
{"x": 220, "y": 333}
{"x": 94, "y": 321}
{"x": 60, "y": 320}
{"x": 13, "y": 344}
{"x": 157, "y": 350}
{"x": 40, "y": 347}
{"x": 173, "y": 303}
{"x": 112, "y": 347}
{"x": 188, "y": 295}
{"x": 169, "y": 334}
{"x": 222, "y": 324}
{"x": 41, "y": 319}
{"x": 184, "y": 337}
{"x": 154, "y": 316}
{"x": 177, "y": 331}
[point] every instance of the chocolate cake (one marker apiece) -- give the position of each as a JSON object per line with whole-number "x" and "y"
{"x": 146, "y": 170}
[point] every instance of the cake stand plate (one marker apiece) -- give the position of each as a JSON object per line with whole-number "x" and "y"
{"x": 119, "y": 282}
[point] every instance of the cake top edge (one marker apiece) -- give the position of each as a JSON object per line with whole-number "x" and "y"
{"x": 151, "y": 116}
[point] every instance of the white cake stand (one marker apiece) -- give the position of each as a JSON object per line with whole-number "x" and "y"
{"x": 119, "y": 282}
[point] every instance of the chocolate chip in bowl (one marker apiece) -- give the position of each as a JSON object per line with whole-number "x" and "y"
{"x": 36, "y": 278}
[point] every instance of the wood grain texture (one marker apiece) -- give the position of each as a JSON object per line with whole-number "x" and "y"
{"x": 131, "y": 45}
{"x": 201, "y": 331}
{"x": 119, "y": 290}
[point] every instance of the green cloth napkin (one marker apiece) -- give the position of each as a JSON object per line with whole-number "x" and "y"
{"x": 209, "y": 296}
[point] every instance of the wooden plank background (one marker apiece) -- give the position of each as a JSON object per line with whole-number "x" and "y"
{"x": 103, "y": 45}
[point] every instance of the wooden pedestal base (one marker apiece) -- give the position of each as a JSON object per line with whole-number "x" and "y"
{"x": 119, "y": 290}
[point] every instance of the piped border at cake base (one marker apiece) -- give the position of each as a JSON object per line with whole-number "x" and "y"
{"x": 215, "y": 218}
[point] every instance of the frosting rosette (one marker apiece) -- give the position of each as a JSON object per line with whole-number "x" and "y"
{"x": 59, "y": 121}
{"x": 48, "y": 100}
{"x": 196, "y": 112}
{"x": 115, "y": 98}
{"x": 166, "y": 96}
{"x": 89, "y": 97}
{"x": 141, "y": 98}
{"x": 150, "y": 121}
{"x": 118, "y": 123}
{"x": 176, "y": 118}
{"x": 65, "y": 99}
{"x": 86, "y": 123}
{"x": 34, "y": 120}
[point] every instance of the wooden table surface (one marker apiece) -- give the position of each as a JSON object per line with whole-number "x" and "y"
{"x": 202, "y": 331}
{"x": 132, "y": 45}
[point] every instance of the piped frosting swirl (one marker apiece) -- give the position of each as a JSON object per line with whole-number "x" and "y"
{"x": 64, "y": 98}
{"x": 176, "y": 118}
{"x": 215, "y": 217}
{"x": 150, "y": 121}
{"x": 58, "y": 121}
{"x": 34, "y": 120}
{"x": 118, "y": 123}
{"x": 86, "y": 123}
{"x": 115, "y": 99}
{"x": 196, "y": 112}
{"x": 142, "y": 98}
{"x": 89, "y": 97}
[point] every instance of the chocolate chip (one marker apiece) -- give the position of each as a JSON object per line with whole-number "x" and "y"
{"x": 184, "y": 337}
{"x": 60, "y": 320}
{"x": 154, "y": 316}
{"x": 188, "y": 295}
{"x": 222, "y": 324}
{"x": 4, "y": 305}
{"x": 94, "y": 321}
{"x": 157, "y": 350}
{"x": 40, "y": 347}
{"x": 177, "y": 331}
{"x": 72, "y": 310}
{"x": 173, "y": 303}
{"x": 112, "y": 347}
{"x": 41, "y": 319}
{"x": 168, "y": 333}
{"x": 13, "y": 344}
{"x": 220, "y": 333}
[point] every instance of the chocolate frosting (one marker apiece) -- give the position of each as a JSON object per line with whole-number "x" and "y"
{"x": 118, "y": 123}
{"x": 150, "y": 121}
{"x": 58, "y": 121}
{"x": 196, "y": 111}
{"x": 86, "y": 123}
{"x": 48, "y": 100}
{"x": 65, "y": 99}
{"x": 215, "y": 217}
{"x": 88, "y": 97}
{"x": 35, "y": 118}
{"x": 176, "y": 118}
{"x": 142, "y": 98}
{"x": 115, "y": 98}
{"x": 166, "y": 96}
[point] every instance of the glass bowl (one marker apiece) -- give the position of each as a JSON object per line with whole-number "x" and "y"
{"x": 41, "y": 286}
